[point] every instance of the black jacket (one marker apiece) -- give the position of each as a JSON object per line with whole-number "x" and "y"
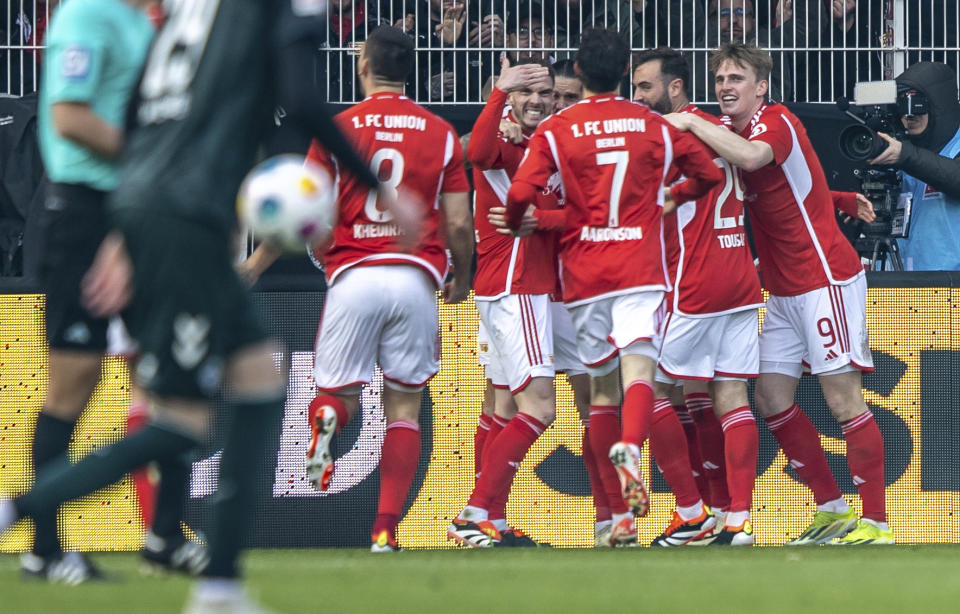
{"x": 920, "y": 155}
{"x": 21, "y": 176}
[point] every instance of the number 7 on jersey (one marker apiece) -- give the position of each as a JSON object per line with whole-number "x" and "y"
{"x": 620, "y": 159}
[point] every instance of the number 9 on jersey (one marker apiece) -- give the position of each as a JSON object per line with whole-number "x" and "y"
{"x": 288, "y": 202}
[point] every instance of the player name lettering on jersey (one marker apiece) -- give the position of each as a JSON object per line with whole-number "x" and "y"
{"x": 173, "y": 107}
{"x": 598, "y": 234}
{"x": 609, "y": 126}
{"x": 395, "y": 122}
{"x": 375, "y": 231}
{"x": 390, "y": 137}
{"x": 735, "y": 240}
{"x": 612, "y": 142}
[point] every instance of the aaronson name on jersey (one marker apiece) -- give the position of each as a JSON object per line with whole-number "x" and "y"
{"x": 597, "y": 234}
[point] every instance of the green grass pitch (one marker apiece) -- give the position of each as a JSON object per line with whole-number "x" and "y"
{"x": 764, "y": 580}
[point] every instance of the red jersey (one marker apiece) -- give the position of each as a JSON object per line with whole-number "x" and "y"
{"x": 798, "y": 242}
{"x": 505, "y": 264}
{"x": 710, "y": 265}
{"x": 613, "y": 156}
{"x": 408, "y": 147}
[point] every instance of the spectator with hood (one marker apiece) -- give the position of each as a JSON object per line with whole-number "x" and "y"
{"x": 930, "y": 111}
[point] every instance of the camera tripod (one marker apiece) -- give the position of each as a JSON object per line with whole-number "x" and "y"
{"x": 877, "y": 250}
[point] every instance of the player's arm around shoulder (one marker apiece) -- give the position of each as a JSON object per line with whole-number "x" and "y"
{"x": 748, "y": 155}
{"x": 695, "y": 161}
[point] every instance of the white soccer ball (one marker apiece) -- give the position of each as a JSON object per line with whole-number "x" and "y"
{"x": 289, "y": 202}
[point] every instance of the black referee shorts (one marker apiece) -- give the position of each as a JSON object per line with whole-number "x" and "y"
{"x": 73, "y": 223}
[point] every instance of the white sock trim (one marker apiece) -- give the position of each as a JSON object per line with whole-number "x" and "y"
{"x": 473, "y": 514}
{"x": 836, "y": 506}
{"x": 690, "y": 512}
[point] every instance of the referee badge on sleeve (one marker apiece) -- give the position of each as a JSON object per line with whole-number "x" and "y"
{"x": 75, "y": 63}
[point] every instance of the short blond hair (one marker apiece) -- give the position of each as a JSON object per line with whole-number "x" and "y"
{"x": 744, "y": 55}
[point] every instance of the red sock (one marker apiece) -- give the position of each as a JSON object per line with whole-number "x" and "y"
{"x": 604, "y": 432}
{"x": 693, "y": 449}
{"x": 328, "y": 399}
{"x": 480, "y": 436}
{"x": 398, "y": 464}
{"x": 668, "y": 445}
{"x": 741, "y": 447}
{"x": 497, "y": 425}
{"x": 801, "y": 443}
{"x": 710, "y": 443}
{"x": 497, "y": 510}
{"x": 637, "y": 412}
{"x": 501, "y": 464}
{"x": 143, "y": 486}
{"x": 596, "y": 484}
{"x": 865, "y": 459}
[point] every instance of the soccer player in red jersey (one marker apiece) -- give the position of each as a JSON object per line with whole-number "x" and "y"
{"x": 568, "y": 90}
{"x": 380, "y": 306}
{"x": 529, "y": 335}
{"x": 710, "y": 331}
{"x": 607, "y": 505}
{"x": 613, "y": 266}
{"x": 816, "y": 314}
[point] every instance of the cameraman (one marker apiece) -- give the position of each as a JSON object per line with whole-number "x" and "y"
{"x": 930, "y": 111}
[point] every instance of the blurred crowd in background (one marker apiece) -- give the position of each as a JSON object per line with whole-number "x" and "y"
{"x": 820, "y": 47}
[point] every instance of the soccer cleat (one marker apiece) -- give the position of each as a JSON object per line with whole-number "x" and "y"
{"x": 826, "y": 526}
{"x": 383, "y": 542}
{"x": 177, "y": 554}
{"x": 698, "y": 531}
{"x": 632, "y": 487}
{"x": 624, "y": 533}
{"x": 36, "y": 567}
{"x": 320, "y": 465}
{"x": 734, "y": 536}
{"x": 865, "y": 533}
{"x": 70, "y": 568}
{"x": 601, "y": 535}
{"x": 474, "y": 534}
{"x": 515, "y": 538}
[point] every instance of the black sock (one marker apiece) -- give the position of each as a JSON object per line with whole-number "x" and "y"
{"x": 246, "y": 471}
{"x": 60, "y": 481}
{"x": 50, "y": 441}
{"x": 171, "y": 496}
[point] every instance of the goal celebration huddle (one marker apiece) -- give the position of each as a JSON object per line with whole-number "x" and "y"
{"x": 607, "y": 240}
{"x": 611, "y": 247}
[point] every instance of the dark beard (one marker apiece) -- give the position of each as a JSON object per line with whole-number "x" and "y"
{"x": 662, "y": 106}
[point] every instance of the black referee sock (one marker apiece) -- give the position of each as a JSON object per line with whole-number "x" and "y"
{"x": 61, "y": 481}
{"x": 246, "y": 469}
{"x": 171, "y": 496}
{"x": 50, "y": 441}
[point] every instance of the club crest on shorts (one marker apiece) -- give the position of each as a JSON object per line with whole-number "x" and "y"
{"x": 190, "y": 343}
